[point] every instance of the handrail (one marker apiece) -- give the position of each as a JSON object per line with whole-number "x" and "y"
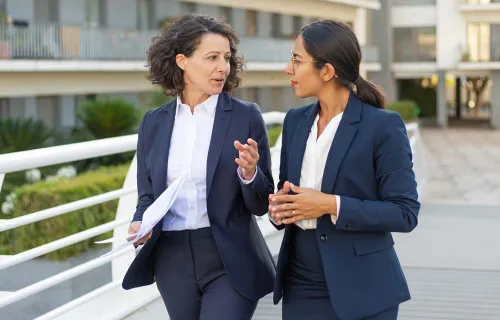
{"x": 127, "y": 196}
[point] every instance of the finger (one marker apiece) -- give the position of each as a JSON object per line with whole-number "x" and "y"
{"x": 285, "y": 198}
{"x": 239, "y": 146}
{"x": 248, "y": 158}
{"x": 253, "y": 144}
{"x": 292, "y": 219}
{"x": 253, "y": 152}
{"x": 243, "y": 164}
{"x": 296, "y": 189}
{"x": 284, "y": 207}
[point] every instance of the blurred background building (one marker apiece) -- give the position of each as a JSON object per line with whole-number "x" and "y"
{"x": 444, "y": 55}
{"x": 54, "y": 54}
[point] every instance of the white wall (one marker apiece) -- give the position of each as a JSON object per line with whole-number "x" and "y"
{"x": 414, "y": 16}
{"x": 451, "y": 34}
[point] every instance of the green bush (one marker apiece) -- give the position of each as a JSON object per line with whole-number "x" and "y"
{"x": 273, "y": 134}
{"x": 46, "y": 194}
{"x": 108, "y": 117}
{"x": 23, "y": 134}
{"x": 407, "y": 109}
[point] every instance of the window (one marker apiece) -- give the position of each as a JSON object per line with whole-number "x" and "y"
{"x": 483, "y": 41}
{"x": 251, "y": 22}
{"x": 415, "y": 44}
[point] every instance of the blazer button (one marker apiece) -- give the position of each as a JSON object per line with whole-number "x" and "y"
{"x": 213, "y": 220}
{"x": 348, "y": 226}
{"x": 323, "y": 238}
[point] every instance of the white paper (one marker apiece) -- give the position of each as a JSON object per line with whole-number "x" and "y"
{"x": 153, "y": 214}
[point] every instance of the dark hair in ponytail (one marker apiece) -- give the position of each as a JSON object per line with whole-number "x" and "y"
{"x": 334, "y": 42}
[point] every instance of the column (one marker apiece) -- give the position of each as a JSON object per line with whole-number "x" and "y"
{"x": 72, "y": 12}
{"x": 265, "y": 99}
{"x": 382, "y": 36}
{"x": 265, "y": 24}
{"x": 495, "y": 100}
{"x": 120, "y": 14}
{"x": 238, "y": 21}
{"x": 286, "y": 25}
{"x": 29, "y": 108}
{"x": 360, "y": 27}
{"x": 442, "y": 108}
{"x": 67, "y": 114}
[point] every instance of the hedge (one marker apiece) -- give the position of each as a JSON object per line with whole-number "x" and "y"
{"x": 46, "y": 194}
{"x": 407, "y": 109}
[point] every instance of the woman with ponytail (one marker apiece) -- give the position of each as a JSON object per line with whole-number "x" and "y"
{"x": 346, "y": 183}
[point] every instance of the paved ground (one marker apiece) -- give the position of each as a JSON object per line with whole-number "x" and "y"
{"x": 451, "y": 261}
{"x": 464, "y": 165}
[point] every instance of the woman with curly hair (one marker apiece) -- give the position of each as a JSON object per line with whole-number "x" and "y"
{"x": 207, "y": 256}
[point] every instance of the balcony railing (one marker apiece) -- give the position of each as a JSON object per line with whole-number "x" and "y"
{"x": 80, "y": 43}
{"x": 494, "y": 55}
{"x": 104, "y": 296}
{"x": 481, "y": 2}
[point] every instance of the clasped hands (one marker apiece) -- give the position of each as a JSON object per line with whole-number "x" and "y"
{"x": 305, "y": 204}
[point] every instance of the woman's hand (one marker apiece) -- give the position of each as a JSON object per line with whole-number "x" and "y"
{"x": 306, "y": 204}
{"x": 134, "y": 228}
{"x": 248, "y": 158}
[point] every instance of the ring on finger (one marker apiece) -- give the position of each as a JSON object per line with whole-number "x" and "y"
{"x": 293, "y": 213}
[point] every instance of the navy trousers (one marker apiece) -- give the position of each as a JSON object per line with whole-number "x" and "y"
{"x": 305, "y": 295}
{"x": 192, "y": 280}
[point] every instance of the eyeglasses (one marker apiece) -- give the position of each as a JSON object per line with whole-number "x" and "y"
{"x": 296, "y": 62}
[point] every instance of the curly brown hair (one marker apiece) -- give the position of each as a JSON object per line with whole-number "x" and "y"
{"x": 183, "y": 36}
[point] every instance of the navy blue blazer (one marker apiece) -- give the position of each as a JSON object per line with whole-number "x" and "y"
{"x": 231, "y": 205}
{"x": 369, "y": 166}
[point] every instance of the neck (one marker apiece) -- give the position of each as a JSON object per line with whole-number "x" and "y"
{"x": 333, "y": 101}
{"x": 193, "y": 98}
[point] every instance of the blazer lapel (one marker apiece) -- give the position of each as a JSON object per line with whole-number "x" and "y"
{"x": 340, "y": 145}
{"x": 219, "y": 133}
{"x": 165, "y": 135}
{"x": 296, "y": 155}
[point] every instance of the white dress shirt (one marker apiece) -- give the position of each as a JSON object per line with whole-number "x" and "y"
{"x": 188, "y": 152}
{"x": 314, "y": 161}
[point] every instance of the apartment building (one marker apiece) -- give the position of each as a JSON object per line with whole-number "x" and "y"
{"x": 443, "y": 53}
{"x": 56, "y": 53}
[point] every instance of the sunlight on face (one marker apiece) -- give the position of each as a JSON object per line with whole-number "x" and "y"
{"x": 207, "y": 69}
{"x": 304, "y": 77}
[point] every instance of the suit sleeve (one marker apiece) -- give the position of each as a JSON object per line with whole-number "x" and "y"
{"x": 398, "y": 207}
{"x": 144, "y": 185}
{"x": 256, "y": 193}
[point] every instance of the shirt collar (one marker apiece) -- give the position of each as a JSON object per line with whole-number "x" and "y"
{"x": 209, "y": 105}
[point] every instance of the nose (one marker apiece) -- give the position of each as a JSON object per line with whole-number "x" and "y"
{"x": 289, "y": 69}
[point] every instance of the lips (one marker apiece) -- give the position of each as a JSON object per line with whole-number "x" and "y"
{"x": 293, "y": 83}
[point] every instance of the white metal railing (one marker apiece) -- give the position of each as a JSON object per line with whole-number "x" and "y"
{"x": 127, "y": 196}
{"x": 53, "y": 41}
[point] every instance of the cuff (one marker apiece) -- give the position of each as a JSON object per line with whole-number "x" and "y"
{"x": 243, "y": 179}
{"x": 335, "y": 218}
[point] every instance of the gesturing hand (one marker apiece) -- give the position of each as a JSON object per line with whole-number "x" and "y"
{"x": 306, "y": 204}
{"x": 248, "y": 158}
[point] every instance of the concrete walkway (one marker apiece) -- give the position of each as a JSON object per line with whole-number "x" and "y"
{"x": 451, "y": 261}
{"x": 463, "y": 164}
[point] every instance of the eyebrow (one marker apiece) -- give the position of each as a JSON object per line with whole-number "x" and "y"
{"x": 295, "y": 55}
{"x": 212, "y": 52}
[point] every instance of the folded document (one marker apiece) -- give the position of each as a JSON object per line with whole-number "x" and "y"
{"x": 153, "y": 214}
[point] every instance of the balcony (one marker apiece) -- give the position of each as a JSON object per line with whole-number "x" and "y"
{"x": 481, "y": 10}
{"x": 57, "y": 42}
{"x": 476, "y": 60}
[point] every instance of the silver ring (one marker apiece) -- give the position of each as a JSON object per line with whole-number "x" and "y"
{"x": 293, "y": 213}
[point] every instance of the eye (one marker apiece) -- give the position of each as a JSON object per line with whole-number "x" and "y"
{"x": 212, "y": 57}
{"x": 227, "y": 58}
